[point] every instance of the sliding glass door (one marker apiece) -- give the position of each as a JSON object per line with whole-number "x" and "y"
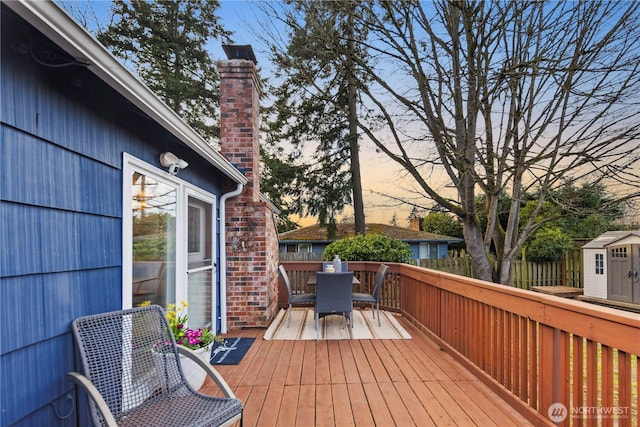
{"x": 169, "y": 243}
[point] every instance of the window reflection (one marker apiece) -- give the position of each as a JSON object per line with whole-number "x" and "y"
{"x": 154, "y": 240}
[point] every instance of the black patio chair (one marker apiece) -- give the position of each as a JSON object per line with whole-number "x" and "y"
{"x": 294, "y": 299}
{"x": 129, "y": 366}
{"x": 334, "y": 296}
{"x": 374, "y": 296}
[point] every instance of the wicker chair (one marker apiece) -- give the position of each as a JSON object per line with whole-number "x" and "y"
{"x": 129, "y": 364}
{"x": 294, "y": 299}
{"x": 333, "y": 296}
{"x": 374, "y": 296}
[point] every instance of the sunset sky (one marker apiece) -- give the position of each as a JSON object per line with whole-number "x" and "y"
{"x": 380, "y": 175}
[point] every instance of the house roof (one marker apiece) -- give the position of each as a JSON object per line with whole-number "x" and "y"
{"x": 318, "y": 233}
{"x": 609, "y": 237}
{"x": 56, "y": 24}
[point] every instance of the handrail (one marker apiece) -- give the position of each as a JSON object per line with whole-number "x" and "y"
{"x": 560, "y": 357}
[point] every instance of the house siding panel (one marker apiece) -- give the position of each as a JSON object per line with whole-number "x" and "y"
{"x": 50, "y": 301}
{"x": 34, "y": 374}
{"x": 41, "y": 240}
{"x": 56, "y": 177}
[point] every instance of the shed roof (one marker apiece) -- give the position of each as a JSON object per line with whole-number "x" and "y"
{"x": 318, "y": 233}
{"x": 609, "y": 237}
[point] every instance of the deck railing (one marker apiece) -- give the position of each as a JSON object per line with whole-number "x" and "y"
{"x": 571, "y": 361}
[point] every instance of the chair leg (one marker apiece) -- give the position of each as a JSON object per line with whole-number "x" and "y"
{"x": 289, "y": 320}
{"x": 317, "y": 332}
{"x": 378, "y": 309}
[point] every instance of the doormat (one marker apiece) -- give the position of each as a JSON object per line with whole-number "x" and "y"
{"x": 231, "y": 351}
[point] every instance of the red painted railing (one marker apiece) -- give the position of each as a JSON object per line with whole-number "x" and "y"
{"x": 571, "y": 361}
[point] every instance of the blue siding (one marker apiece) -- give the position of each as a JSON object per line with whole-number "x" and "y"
{"x": 61, "y": 149}
{"x": 443, "y": 250}
{"x": 54, "y": 300}
{"x": 37, "y": 172}
{"x": 415, "y": 249}
{"x": 38, "y": 240}
{"x": 34, "y": 375}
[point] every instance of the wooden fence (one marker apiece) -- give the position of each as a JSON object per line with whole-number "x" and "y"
{"x": 525, "y": 273}
{"x": 561, "y": 357}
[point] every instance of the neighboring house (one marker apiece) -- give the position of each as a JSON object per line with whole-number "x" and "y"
{"x": 314, "y": 238}
{"x": 96, "y": 216}
{"x": 612, "y": 267}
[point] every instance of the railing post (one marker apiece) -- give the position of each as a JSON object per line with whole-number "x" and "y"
{"x": 553, "y": 399}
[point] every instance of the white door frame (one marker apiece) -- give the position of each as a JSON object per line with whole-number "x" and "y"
{"x": 184, "y": 190}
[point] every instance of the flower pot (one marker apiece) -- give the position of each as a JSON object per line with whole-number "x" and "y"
{"x": 193, "y": 373}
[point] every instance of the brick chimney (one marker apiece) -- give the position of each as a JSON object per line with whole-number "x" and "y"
{"x": 251, "y": 234}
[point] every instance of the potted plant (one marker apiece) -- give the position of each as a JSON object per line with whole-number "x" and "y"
{"x": 199, "y": 340}
{"x": 195, "y": 339}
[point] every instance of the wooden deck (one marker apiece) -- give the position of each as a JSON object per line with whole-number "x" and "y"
{"x": 360, "y": 383}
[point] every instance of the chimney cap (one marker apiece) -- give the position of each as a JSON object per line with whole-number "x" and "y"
{"x": 239, "y": 51}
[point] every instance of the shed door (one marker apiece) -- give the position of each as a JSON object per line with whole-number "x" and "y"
{"x": 623, "y": 276}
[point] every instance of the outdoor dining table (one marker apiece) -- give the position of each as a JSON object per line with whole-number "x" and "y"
{"x": 313, "y": 280}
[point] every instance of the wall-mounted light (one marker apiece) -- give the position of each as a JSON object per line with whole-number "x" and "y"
{"x": 172, "y": 162}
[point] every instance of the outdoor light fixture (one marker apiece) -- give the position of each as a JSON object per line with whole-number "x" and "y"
{"x": 172, "y": 162}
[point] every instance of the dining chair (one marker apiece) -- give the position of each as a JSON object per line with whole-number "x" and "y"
{"x": 374, "y": 296}
{"x": 294, "y": 299}
{"x": 333, "y": 296}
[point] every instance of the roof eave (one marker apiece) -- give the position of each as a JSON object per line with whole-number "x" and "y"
{"x": 57, "y": 25}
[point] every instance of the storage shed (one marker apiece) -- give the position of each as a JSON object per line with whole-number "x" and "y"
{"x": 612, "y": 267}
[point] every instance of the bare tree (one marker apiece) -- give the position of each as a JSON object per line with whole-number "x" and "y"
{"x": 505, "y": 97}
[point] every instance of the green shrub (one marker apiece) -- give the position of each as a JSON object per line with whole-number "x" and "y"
{"x": 372, "y": 247}
{"x": 549, "y": 244}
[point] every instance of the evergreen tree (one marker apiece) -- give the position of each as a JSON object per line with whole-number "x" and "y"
{"x": 315, "y": 105}
{"x": 165, "y": 42}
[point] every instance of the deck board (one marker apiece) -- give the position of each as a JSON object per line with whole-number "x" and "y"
{"x": 360, "y": 383}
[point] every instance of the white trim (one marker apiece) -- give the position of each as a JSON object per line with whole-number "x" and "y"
{"x": 56, "y": 24}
